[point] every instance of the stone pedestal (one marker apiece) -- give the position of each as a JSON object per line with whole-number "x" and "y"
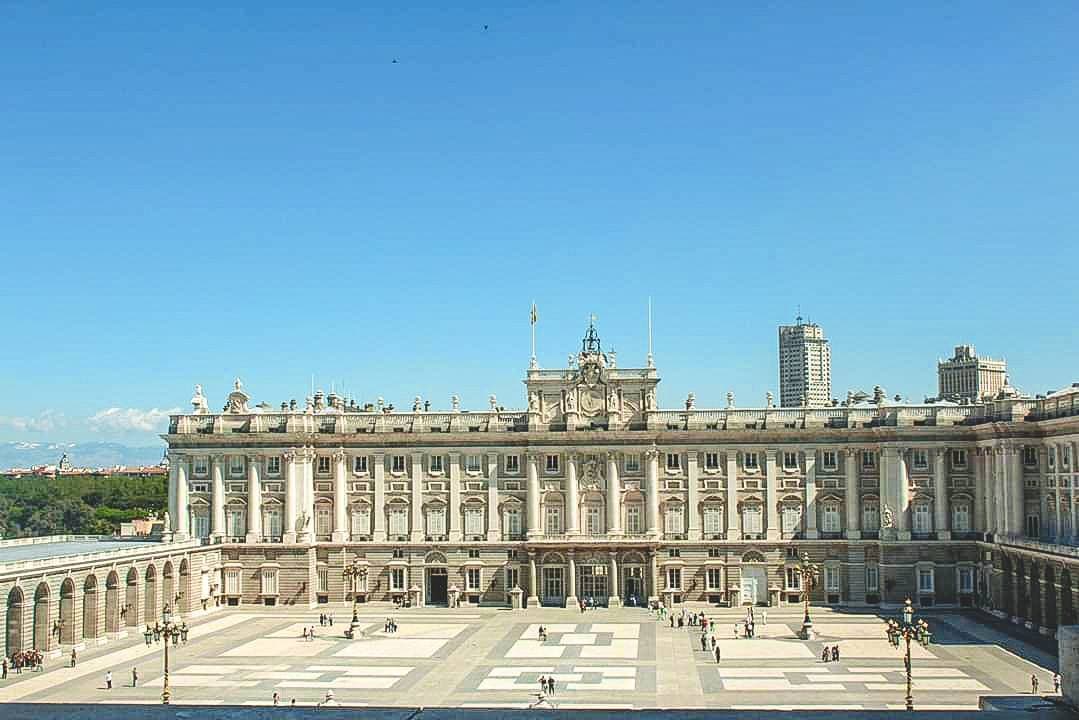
{"x": 516, "y": 598}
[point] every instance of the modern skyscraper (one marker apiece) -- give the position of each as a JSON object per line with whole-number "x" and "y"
{"x": 967, "y": 376}
{"x": 805, "y": 366}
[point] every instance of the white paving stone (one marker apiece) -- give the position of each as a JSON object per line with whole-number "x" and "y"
{"x": 578, "y": 639}
{"x": 392, "y": 648}
{"x": 618, "y": 649}
{"x": 618, "y": 630}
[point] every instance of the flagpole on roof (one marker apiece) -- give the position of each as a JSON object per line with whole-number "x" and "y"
{"x": 532, "y": 317}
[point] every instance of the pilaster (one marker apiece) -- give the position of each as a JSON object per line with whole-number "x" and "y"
{"x": 811, "y": 494}
{"x": 573, "y": 497}
{"x": 292, "y": 481}
{"x": 183, "y": 508}
{"x": 416, "y": 504}
{"x": 378, "y": 533}
{"x": 571, "y": 597}
{"x": 852, "y": 494}
{"x": 494, "y": 533}
{"x": 455, "y": 497}
{"x": 614, "y": 496}
{"x": 693, "y": 524}
{"x": 940, "y": 494}
{"x": 651, "y": 481}
{"x": 734, "y": 528}
{"x": 217, "y": 499}
{"x": 340, "y": 497}
{"x": 254, "y": 500}
{"x": 772, "y": 494}
{"x": 533, "y": 517}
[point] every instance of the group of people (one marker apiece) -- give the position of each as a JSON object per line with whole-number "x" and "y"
{"x": 1034, "y": 683}
{"x": 390, "y": 626}
{"x": 542, "y": 633}
{"x": 31, "y": 659}
{"x": 134, "y": 678}
{"x": 325, "y": 619}
{"x": 829, "y": 654}
{"x": 309, "y": 633}
{"x": 547, "y": 684}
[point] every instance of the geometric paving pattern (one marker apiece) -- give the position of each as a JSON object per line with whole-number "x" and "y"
{"x": 586, "y": 640}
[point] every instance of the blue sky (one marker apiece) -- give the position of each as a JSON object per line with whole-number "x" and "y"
{"x": 191, "y": 195}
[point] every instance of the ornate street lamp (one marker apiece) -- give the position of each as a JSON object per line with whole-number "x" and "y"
{"x": 908, "y": 629}
{"x": 809, "y": 572}
{"x": 169, "y": 629}
{"x": 353, "y": 574}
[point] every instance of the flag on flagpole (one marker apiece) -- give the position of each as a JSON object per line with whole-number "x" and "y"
{"x": 533, "y": 317}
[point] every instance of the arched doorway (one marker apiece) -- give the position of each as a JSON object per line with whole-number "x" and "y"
{"x": 593, "y": 581}
{"x": 754, "y": 579}
{"x": 41, "y": 617}
{"x": 130, "y": 611}
{"x": 89, "y": 608}
{"x": 67, "y": 612}
{"x": 150, "y": 594}
{"x": 168, "y": 587}
{"x": 436, "y": 579}
{"x": 13, "y": 631}
{"x": 112, "y": 603}
{"x": 553, "y": 580}
{"x": 634, "y": 592}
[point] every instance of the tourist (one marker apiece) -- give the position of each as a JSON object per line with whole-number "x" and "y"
{"x": 550, "y": 685}
{"x": 672, "y": 620}
{"x": 716, "y": 649}
{"x": 305, "y": 632}
{"x": 1033, "y": 684}
{"x": 835, "y": 653}
{"x": 134, "y": 677}
{"x": 1056, "y": 681}
{"x": 108, "y": 679}
{"x": 714, "y": 643}
{"x": 331, "y": 619}
{"x": 764, "y": 617}
{"x": 276, "y": 699}
{"x": 704, "y": 642}
{"x": 5, "y": 670}
{"x": 73, "y": 657}
{"x": 824, "y": 654}
{"x": 543, "y": 684}
{"x": 292, "y": 702}
{"x": 322, "y": 619}
{"x": 736, "y": 631}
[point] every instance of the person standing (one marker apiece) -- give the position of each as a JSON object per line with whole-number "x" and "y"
{"x": 331, "y": 619}
{"x": 276, "y": 699}
{"x": 543, "y": 684}
{"x": 716, "y": 648}
{"x": 1056, "y": 681}
{"x": 550, "y": 685}
{"x": 835, "y": 653}
{"x": 134, "y": 677}
{"x": 108, "y": 679}
{"x": 73, "y": 657}
{"x": 764, "y": 617}
{"x": 1033, "y": 684}
{"x": 5, "y": 670}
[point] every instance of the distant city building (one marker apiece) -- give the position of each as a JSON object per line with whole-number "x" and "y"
{"x": 805, "y": 366}
{"x": 967, "y": 376}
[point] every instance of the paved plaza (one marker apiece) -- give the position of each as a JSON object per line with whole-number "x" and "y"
{"x": 616, "y": 659}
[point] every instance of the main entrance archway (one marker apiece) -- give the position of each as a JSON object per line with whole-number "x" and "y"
{"x": 67, "y": 612}
{"x": 41, "y": 617}
{"x": 89, "y": 608}
{"x": 13, "y": 631}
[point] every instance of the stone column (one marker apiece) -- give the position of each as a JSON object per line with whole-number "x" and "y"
{"x": 340, "y": 497}
{"x": 771, "y": 495}
{"x": 811, "y": 494}
{"x": 535, "y": 529}
{"x": 852, "y": 494}
{"x": 940, "y": 495}
{"x": 254, "y": 500}
{"x": 292, "y": 471}
{"x": 614, "y": 496}
{"x": 533, "y": 581}
{"x": 306, "y": 533}
{"x": 573, "y": 497}
{"x": 653, "y": 578}
{"x": 1017, "y": 489}
{"x": 1000, "y": 490}
{"x": 494, "y": 533}
{"x": 693, "y": 521}
{"x": 614, "y": 592}
{"x": 902, "y": 495}
{"x": 734, "y": 528}
{"x": 416, "y": 504}
{"x": 978, "y": 520}
{"x": 378, "y": 470}
{"x": 571, "y": 598}
{"x": 174, "y": 470}
{"x": 989, "y": 476}
{"x": 455, "y": 497}
{"x": 182, "y": 520}
{"x": 217, "y": 517}
{"x": 651, "y": 486}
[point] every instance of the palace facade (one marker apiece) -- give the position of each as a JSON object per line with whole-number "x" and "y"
{"x": 595, "y": 492}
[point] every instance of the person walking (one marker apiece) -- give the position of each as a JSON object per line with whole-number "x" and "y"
{"x": 543, "y": 684}
{"x": 108, "y": 679}
{"x": 716, "y": 648}
{"x": 835, "y": 653}
{"x": 550, "y": 685}
{"x": 824, "y": 654}
{"x": 331, "y": 619}
{"x": 1033, "y": 684}
{"x": 134, "y": 677}
{"x": 276, "y": 699}
{"x": 5, "y": 669}
{"x": 73, "y": 657}
{"x": 764, "y": 618}
{"x": 305, "y": 632}
{"x": 704, "y": 642}
{"x": 714, "y": 643}
{"x": 1056, "y": 681}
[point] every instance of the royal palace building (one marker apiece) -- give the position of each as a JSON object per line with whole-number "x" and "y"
{"x": 595, "y": 493}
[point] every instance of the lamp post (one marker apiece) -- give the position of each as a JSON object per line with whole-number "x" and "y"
{"x": 353, "y": 574}
{"x": 908, "y": 629}
{"x": 170, "y": 631}
{"x": 808, "y": 572}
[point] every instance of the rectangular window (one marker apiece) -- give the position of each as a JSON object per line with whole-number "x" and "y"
{"x": 323, "y": 520}
{"x": 674, "y": 578}
{"x": 271, "y": 523}
{"x": 236, "y": 465}
{"x": 593, "y": 520}
{"x": 323, "y": 465}
{"x": 959, "y": 458}
{"x": 923, "y": 519}
{"x": 831, "y": 579}
{"x": 398, "y": 521}
{"x": 1030, "y": 456}
{"x": 869, "y": 460}
{"x": 359, "y": 464}
{"x": 711, "y": 461}
{"x": 552, "y": 463}
{"x": 237, "y": 522}
{"x": 673, "y": 521}
{"x": 830, "y": 518}
{"x": 713, "y": 520}
{"x": 790, "y": 461}
{"x": 269, "y": 581}
{"x": 474, "y": 521}
{"x": 925, "y": 580}
{"x": 323, "y": 579}
{"x": 714, "y": 579}
{"x": 751, "y": 519}
{"x": 871, "y": 517}
{"x": 830, "y": 460}
{"x": 1066, "y": 456}
{"x": 511, "y": 524}
{"x": 472, "y": 579}
{"x": 200, "y": 466}
{"x": 397, "y": 579}
{"x": 473, "y": 463}
{"x": 674, "y": 461}
{"x": 1033, "y": 525}
{"x": 961, "y": 517}
{"x": 361, "y": 522}
{"x": 436, "y": 521}
{"x": 749, "y": 460}
{"x": 966, "y": 580}
{"x": 632, "y": 463}
{"x": 921, "y": 459}
{"x": 397, "y": 464}
{"x": 872, "y": 578}
{"x": 1052, "y": 457}
{"x": 434, "y": 464}
{"x": 233, "y": 583}
{"x": 512, "y": 578}
{"x": 792, "y": 518}
{"x": 273, "y": 465}
{"x": 633, "y": 519}
{"x": 553, "y": 524}
{"x": 513, "y": 464}
{"x": 201, "y": 523}
{"x": 794, "y": 579}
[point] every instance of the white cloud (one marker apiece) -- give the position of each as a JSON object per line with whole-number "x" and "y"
{"x": 44, "y": 421}
{"x": 131, "y": 420}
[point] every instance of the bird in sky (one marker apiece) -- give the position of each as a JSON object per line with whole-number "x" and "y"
{"x": 395, "y": 61}
{"x": 484, "y": 27}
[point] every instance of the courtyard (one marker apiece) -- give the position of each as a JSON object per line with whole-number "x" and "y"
{"x": 619, "y": 658}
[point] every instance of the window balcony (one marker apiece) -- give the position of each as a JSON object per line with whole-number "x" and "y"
{"x": 476, "y": 538}
{"x": 270, "y": 539}
{"x": 360, "y": 538}
{"x": 435, "y": 538}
